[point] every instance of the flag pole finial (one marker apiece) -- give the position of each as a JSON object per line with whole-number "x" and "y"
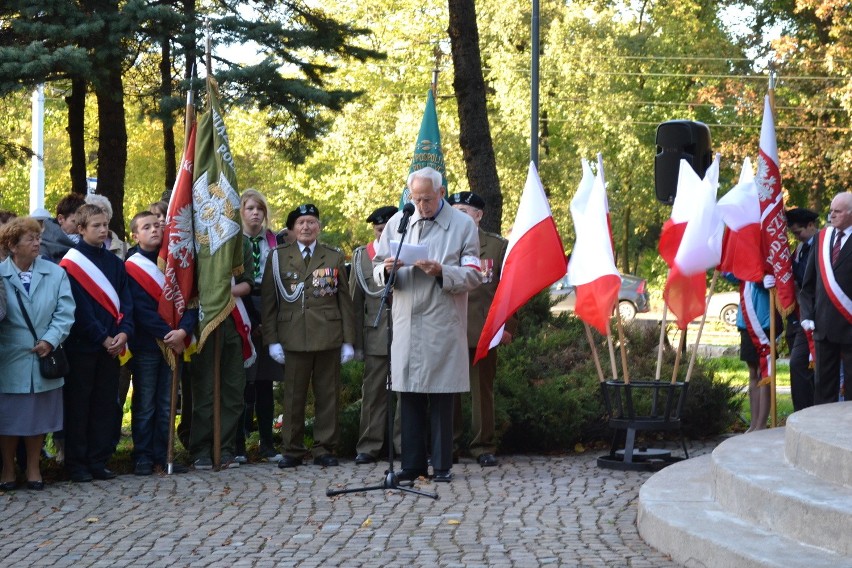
{"x": 438, "y": 55}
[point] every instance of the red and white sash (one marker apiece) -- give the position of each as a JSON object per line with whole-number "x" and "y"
{"x": 146, "y": 274}
{"x": 835, "y": 293}
{"x": 758, "y": 337}
{"x": 243, "y": 325}
{"x": 93, "y": 281}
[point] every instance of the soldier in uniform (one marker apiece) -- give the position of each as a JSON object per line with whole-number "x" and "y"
{"x": 492, "y": 252}
{"x": 371, "y": 342}
{"x": 308, "y": 321}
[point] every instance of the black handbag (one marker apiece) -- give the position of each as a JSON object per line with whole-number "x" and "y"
{"x": 55, "y": 364}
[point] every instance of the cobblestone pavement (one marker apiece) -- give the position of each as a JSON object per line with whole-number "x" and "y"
{"x": 530, "y": 511}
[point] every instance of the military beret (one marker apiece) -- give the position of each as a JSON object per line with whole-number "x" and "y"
{"x": 381, "y": 215}
{"x": 801, "y": 216}
{"x": 467, "y": 198}
{"x": 306, "y": 209}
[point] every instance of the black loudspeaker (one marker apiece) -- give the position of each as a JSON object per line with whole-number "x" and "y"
{"x": 679, "y": 140}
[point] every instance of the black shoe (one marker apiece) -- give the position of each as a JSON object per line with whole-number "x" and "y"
{"x": 102, "y": 474}
{"x": 8, "y": 486}
{"x": 326, "y": 460}
{"x": 288, "y": 462}
{"x": 363, "y": 459}
{"x": 80, "y": 476}
{"x": 487, "y": 460}
{"x": 35, "y": 485}
{"x": 411, "y": 474}
{"x": 143, "y": 468}
{"x": 443, "y": 476}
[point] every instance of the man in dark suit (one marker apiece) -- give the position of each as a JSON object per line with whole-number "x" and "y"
{"x": 803, "y": 223}
{"x": 308, "y": 321}
{"x": 827, "y": 300}
{"x": 492, "y": 252}
{"x": 371, "y": 342}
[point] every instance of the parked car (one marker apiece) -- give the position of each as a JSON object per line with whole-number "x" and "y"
{"x": 725, "y": 306}
{"x": 632, "y": 296}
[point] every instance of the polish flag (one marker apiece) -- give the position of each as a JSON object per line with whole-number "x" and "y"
{"x": 773, "y": 220}
{"x": 535, "y": 259}
{"x": 592, "y": 269}
{"x": 740, "y": 211}
{"x": 700, "y": 243}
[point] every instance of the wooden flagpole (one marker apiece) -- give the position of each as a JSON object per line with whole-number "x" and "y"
{"x": 595, "y": 357}
{"x": 660, "y": 343}
{"x": 618, "y": 322}
{"x": 773, "y": 406}
{"x": 694, "y": 353}
{"x": 611, "y": 352}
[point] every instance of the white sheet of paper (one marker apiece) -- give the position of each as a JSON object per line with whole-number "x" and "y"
{"x": 410, "y": 253}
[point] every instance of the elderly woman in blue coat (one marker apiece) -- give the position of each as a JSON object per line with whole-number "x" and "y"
{"x": 30, "y": 405}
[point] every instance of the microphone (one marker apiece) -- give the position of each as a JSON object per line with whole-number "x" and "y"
{"x": 407, "y": 212}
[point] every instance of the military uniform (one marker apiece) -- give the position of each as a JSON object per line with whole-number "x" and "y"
{"x": 492, "y": 252}
{"x": 308, "y": 310}
{"x": 373, "y": 341}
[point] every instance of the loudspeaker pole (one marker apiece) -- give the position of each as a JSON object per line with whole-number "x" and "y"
{"x": 534, "y": 84}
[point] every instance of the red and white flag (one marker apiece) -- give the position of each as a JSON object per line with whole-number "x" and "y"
{"x": 535, "y": 259}
{"x": 699, "y": 246}
{"x": 592, "y": 269}
{"x": 177, "y": 253}
{"x": 740, "y": 211}
{"x": 773, "y": 221}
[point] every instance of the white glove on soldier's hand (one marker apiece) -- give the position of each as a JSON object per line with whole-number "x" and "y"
{"x": 768, "y": 281}
{"x": 807, "y": 325}
{"x": 347, "y": 353}
{"x": 276, "y": 351}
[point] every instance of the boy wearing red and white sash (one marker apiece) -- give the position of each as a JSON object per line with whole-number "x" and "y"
{"x": 151, "y": 373}
{"x": 103, "y": 323}
{"x": 827, "y": 300}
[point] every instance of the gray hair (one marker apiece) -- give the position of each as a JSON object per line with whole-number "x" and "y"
{"x": 429, "y": 173}
{"x": 102, "y": 202}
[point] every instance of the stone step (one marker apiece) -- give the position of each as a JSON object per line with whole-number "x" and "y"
{"x": 819, "y": 441}
{"x": 679, "y": 515}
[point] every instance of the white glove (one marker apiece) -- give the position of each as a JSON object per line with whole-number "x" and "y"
{"x": 347, "y": 353}
{"x": 276, "y": 351}
{"x": 768, "y": 281}
{"x": 807, "y": 325}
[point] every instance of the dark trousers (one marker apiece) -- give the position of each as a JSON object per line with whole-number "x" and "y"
{"x": 829, "y": 355}
{"x": 90, "y": 397}
{"x": 150, "y": 408}
{"x": 424, "y": 415}
{"x": 321, "y": 370}
{"x": 481, "y": 406}
{"x": 185, "y": 424}
{"x": 374, "y": 406}
{"x": 801, "y": 374}
{"x": 232, "y": 382}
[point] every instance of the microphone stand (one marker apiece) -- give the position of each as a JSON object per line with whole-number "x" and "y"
{"x": 391, "y": 479}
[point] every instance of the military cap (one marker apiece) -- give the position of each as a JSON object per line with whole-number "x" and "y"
{"x": 381, "y": 215}
{"x": 306, "y": 209}
{"x": 467, "y": 198}
{"x": 801, "y": 216}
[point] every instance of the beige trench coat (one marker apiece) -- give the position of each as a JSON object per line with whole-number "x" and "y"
{"x": 429, "y": 351}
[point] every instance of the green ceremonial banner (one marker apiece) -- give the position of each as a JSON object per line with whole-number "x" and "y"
{"x": 427, "y": 150}
{"x": 216, "y": 214}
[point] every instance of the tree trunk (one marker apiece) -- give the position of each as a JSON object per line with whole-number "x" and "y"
{"x": 474, "y": 131}
{"x": 112, "y": 144}
{"x": 168, "y": 120}
{"x": 76, "y": 129}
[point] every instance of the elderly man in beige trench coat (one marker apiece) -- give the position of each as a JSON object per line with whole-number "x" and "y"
{"x": 429, "y": 361}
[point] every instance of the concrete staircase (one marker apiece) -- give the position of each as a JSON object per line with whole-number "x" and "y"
{"x": 780, "y": 497}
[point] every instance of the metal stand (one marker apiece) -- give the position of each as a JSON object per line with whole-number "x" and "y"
{"x": 657, "y": 409}
{"x": 391, "y": 479}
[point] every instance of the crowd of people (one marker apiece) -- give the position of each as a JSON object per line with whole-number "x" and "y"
{"x": 69, "y": 280}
